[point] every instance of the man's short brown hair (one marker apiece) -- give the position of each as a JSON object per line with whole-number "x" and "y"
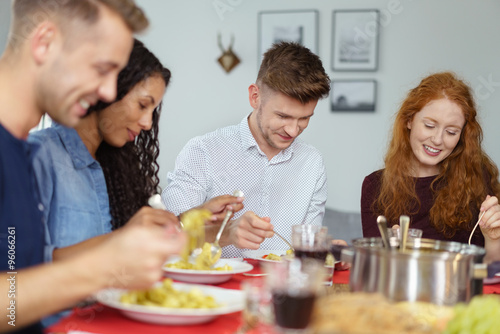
{"x": 293, "y": 70}
{"x": 27, "y": 14}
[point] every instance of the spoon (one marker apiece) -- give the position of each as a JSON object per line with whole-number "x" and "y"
{"x": 156, "y": 203}
{"x": 404, "y": 223}
{"x": 215, "y": 248}
{"x": 382, "y": 227}
{"x": 475, "y": 226}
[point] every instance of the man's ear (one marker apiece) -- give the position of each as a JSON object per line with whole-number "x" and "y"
{"x": 254, "y": 96}
{"x": 42, "y": 41}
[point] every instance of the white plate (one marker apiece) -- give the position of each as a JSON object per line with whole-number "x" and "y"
{"x": 492, "y": 280}
{"x": 259, "y": 253}
{"x": 230, "y": 301}
{"x": 207, "y": 276}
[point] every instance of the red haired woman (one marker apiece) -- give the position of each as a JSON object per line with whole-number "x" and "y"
{"x": 436, "y": 170}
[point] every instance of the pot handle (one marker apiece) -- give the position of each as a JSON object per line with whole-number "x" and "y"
{"x": 483, "y": 270}
{"x": 344, "y": 253}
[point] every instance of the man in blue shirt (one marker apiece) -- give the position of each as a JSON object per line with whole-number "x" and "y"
{"x": 61, "y": 58}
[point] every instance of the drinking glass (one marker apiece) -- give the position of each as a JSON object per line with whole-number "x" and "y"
{"x": 313, "y": 241}
{"x": 309, "y": 241}
{"x": 394, "y": 235}
{"x": 294, "y": 284}
{"x": 257, "y": 312}
{"x": 329, "y": 262}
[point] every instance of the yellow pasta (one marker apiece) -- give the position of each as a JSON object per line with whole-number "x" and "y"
{"x": 330, "y": 260}
{"x": 194, "y": 225}
{"x": 166, "y": 296}
{"x": 275, "y": 257}
{"x": 204, "y": 261}
{"x": 272, "y": 257}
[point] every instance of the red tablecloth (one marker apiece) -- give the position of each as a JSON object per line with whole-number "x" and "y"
{"x": 103, "y": 320}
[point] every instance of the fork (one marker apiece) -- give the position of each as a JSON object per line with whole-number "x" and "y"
{"x": 286, "y": 241}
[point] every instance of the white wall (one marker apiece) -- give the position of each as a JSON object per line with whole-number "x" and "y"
{"x": 419, "y": 38}
{"x": 4, "y": 22}
{"x": 424, "y": 36}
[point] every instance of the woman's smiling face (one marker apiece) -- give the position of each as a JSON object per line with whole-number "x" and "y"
{"x": 123, "y": 120}
{"x": 434, "y": 133}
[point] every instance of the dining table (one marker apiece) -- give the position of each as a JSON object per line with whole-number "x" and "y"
{"x": 100, "y": 319}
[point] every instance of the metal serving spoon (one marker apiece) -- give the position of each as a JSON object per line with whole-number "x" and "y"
{"x": 382, "y": 227}
{"x": 215, "y": 248}
{"x": 404, "y": 223}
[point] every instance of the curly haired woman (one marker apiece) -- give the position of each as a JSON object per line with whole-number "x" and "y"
{"x": 95, "y": 177}
{"x": 436, "y": 171}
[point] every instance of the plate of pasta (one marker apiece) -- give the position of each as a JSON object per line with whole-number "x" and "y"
{"x": 265, "y": 255}
{"x": 270, "y": 255}
{"x": 168, "y": 303}
{"x": 222, "y": 271}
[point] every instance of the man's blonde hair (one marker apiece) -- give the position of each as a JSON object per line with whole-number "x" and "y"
{"x": 293, "y": 70}
{"x": 27, "y": 14}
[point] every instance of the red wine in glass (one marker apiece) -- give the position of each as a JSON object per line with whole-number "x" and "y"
{"x": 293, "y": 311}
{"x": 319, "y": 254}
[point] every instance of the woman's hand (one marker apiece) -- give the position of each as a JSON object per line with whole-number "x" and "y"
{"x": 490, "y": 227}
{"x": 490, "y": 221}
{"x": 341, "y": 265}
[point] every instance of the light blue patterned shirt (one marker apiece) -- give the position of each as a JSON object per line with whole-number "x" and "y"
{"x": 291, "y": 189}
{"x": 72, "y": 188}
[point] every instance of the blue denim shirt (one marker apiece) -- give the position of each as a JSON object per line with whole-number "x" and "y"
{"x": 72, "y": 188}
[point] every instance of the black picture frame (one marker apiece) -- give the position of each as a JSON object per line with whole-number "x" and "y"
{"x": 353, "y": 95}
{"x": 355, "y": 39}
{"x": 299, "y": 26}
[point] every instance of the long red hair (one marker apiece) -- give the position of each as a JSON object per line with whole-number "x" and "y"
{"x": 466, "y": 174}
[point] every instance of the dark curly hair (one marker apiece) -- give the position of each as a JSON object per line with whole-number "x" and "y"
{"x": 131, "y": 171}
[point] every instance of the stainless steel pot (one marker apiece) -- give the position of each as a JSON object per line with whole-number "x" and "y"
{"x": 439, "y": 272}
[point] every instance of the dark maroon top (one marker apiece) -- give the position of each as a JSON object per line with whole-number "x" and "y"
{"x": 421, "y": 220}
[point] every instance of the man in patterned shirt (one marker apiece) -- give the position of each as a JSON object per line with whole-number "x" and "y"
{"x": 283, "y": 178}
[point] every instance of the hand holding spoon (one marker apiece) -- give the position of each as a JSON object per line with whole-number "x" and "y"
{"x": 215, "y": 248}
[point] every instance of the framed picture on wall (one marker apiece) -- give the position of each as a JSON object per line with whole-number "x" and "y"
{"x": 289, "y": 26}
{"x": 355, "y": 40}
{"x": 353, "y": 95}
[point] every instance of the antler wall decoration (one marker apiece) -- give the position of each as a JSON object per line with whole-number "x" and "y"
{"x": 229, "y": 59}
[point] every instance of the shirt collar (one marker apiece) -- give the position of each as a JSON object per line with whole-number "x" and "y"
{"x": 247, "y": 139}
{"x": 77, "y": 150}
{"x": 248, "y": 142}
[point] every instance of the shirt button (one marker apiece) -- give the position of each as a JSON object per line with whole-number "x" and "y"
{"x": 40, "y": 206}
